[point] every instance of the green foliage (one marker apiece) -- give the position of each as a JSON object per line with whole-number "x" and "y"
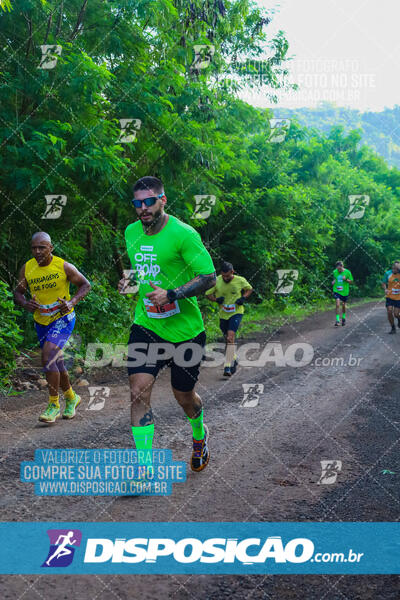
{"x": 380, "y": 130}
{"x": 6, "y": 5}
{"x": 105, "y": 315}
{"x": 10, "y": 335}
{"x": 278, "y": 205}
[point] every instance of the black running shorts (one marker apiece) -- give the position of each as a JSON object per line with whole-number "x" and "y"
{"x": 149, "y": 353}
{"x": 340, "y": 297}
{"x": 391, "y": 302}
{"x": 231, "y": 324}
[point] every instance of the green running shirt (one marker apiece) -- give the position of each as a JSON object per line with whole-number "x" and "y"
{"x": 340, "y": 286}
{"x": 170, "y": 258}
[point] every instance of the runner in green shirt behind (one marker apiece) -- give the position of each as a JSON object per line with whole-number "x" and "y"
{"x": 230, "y": 292}
{"x": 342, "y": 278}
{"x": 172, "y": 268}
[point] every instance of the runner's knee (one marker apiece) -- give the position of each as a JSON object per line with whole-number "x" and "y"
{"x": 230, "y": 337}
{"x": 50, "y": 360}
{"x": 140, "y": 391}
{"x": 184, "y": 398}
{"x": 138, "y": 394}
{"x": 60, "y": 361}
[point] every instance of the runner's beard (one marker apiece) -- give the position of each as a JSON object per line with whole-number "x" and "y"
{"x": 154, "y": 221}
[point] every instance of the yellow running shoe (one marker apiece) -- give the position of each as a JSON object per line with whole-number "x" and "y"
{"x": 51, "y": 413}
{"x": 70, "y": 406}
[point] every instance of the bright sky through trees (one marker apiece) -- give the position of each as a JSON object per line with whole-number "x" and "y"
{"x": 344, "y": 52}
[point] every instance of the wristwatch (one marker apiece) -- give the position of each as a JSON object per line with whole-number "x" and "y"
{"x": 171, "y": 295}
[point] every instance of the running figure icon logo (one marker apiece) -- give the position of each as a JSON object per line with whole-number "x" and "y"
{"x": 279, "y": 129}
{"x": 251, "y": 394}
{"x": 330, "y": 470}
{"x": 54, "y": 206}
{"x": 358, "y": 204}
{"x": 98, "y": 395}
{"x": 129, "y": 129}
{"x": 204, "y": 204}
{"x": 287, "y": 277}
{"x": 50, "y": 54}
{"x": 63, "y": 543}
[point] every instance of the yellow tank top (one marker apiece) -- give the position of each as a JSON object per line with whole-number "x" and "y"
{"x": 47, "y": 283}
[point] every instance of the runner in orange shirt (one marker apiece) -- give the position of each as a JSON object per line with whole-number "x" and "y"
{"x": 391, "y": 285}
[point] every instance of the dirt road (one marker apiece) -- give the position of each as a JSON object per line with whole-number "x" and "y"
{"x": 265, "y": 460}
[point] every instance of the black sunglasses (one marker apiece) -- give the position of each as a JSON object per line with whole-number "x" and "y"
{"x": 147, "y": 201}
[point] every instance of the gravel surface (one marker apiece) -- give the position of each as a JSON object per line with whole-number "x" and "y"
{"x": 265, "y": 460}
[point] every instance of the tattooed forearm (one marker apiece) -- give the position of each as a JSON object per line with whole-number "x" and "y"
{"x": 196, "y": 286}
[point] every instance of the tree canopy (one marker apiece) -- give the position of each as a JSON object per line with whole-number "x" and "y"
{"x": 95, "y": 94}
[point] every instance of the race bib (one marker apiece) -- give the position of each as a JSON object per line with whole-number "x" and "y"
{"x": 228, "y": 308}
{"x": 339, "y": 287}
{"x": 395, "y": 291}
{"x": 161, "y": 312}
{"x": 49, "y": 310}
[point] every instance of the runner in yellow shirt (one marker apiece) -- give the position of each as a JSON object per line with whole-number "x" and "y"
{"x": 48, "y": 278}
{"x": 230, "y": 292}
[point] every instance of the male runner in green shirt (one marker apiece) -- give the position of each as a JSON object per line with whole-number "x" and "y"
{"x": 230, "y": 292}
{"x": 342, "y": 278}
{"x": 172, "y": 267}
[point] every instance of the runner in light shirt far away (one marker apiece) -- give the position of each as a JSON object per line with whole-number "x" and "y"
{"x": 342, "y": 278}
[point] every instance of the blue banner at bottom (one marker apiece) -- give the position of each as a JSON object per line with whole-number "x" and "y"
{"x": 200, "y": 548}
